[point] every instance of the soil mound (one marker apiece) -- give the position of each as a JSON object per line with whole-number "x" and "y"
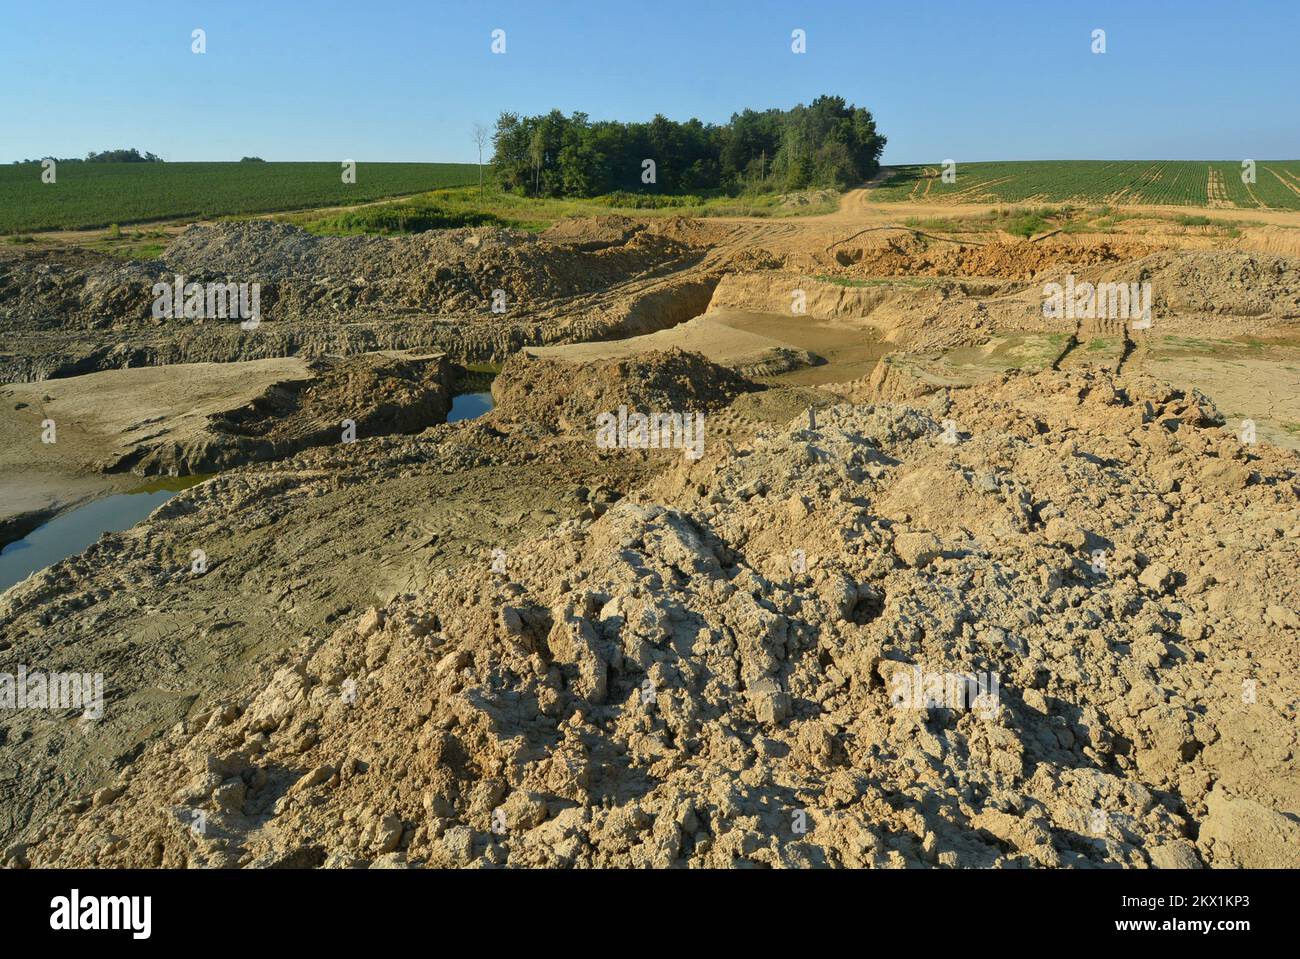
{"x": 1239, "y": 284}
{"x": 556, "y": 394}
{"x": 892, "y": 380}
{"x": 450, "y": 271}
{"x": 592, "y": 233}
{"x": 441, "y": 271}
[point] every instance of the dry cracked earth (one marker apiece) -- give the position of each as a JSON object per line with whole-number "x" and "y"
{"x": 499, "y": 642}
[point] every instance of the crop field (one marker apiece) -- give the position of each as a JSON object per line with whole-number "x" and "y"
{"x": 1215, "y": 184}
{"x": 89, "y": 195}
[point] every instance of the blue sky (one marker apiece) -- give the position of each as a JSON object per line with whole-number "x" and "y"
{"x": 406, "y": 80}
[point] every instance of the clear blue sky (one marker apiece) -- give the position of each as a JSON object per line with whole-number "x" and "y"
{"x": 406, "y": 80}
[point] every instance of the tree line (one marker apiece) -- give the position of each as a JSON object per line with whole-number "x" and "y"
{"x": 828, "y": 143}
{"x": 131, "y": 155}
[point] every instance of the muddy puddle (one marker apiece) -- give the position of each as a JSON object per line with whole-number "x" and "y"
{"x": 1014, "y": 351}
{"x": 73, "y": 531}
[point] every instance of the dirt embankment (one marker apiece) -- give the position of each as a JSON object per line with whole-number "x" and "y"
{"x": 908, "y": 254}
{"x": 107, "y": 427}
{"x": 476, "y": 294}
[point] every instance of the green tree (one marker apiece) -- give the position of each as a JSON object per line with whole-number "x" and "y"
{"x": 828, "y": 143}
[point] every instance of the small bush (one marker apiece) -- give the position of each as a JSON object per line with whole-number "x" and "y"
{"x": 1025, "y": 224}
{"x": 415, "y": 217}
{"x": 625, "y": 199}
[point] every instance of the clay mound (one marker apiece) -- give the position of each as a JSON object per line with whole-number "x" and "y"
{"x": 439, "y": 271}
{"x": 775, "y": 360}
{"x": 58, "y": 289}
{"x": 687, "y": 230}
{"x": 1200, "y": 282}
{"x": 736, "y": 666}
{"x": 1239, "y": 284}
{"x": 379, "y": 393}
{"x": 565, "y": 396}
{"x": 592, "y": 233}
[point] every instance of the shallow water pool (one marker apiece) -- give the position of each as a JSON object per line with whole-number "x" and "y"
{"x": 71, "y": 532}
{"x": 467, "y": 406}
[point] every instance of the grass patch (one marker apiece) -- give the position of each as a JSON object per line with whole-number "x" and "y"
{"x": 946, "y": 225}
{"x": 1025, "y": 224}
{"x": 132, "y": 244}
{"x": 465, "y": 206}
{"x": 395, "y": 218}
{"x": 1019, "y": 221}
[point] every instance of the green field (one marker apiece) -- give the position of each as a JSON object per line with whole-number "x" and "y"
{"x": 1116, "y": 182}
{"x": 88, "y": 195}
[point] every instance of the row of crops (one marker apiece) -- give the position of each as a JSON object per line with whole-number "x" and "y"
{"x": 87, "y": 195}
{"x": 1169, "y": 182}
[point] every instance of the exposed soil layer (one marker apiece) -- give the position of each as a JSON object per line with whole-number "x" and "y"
{"x": 477, "y": 294}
